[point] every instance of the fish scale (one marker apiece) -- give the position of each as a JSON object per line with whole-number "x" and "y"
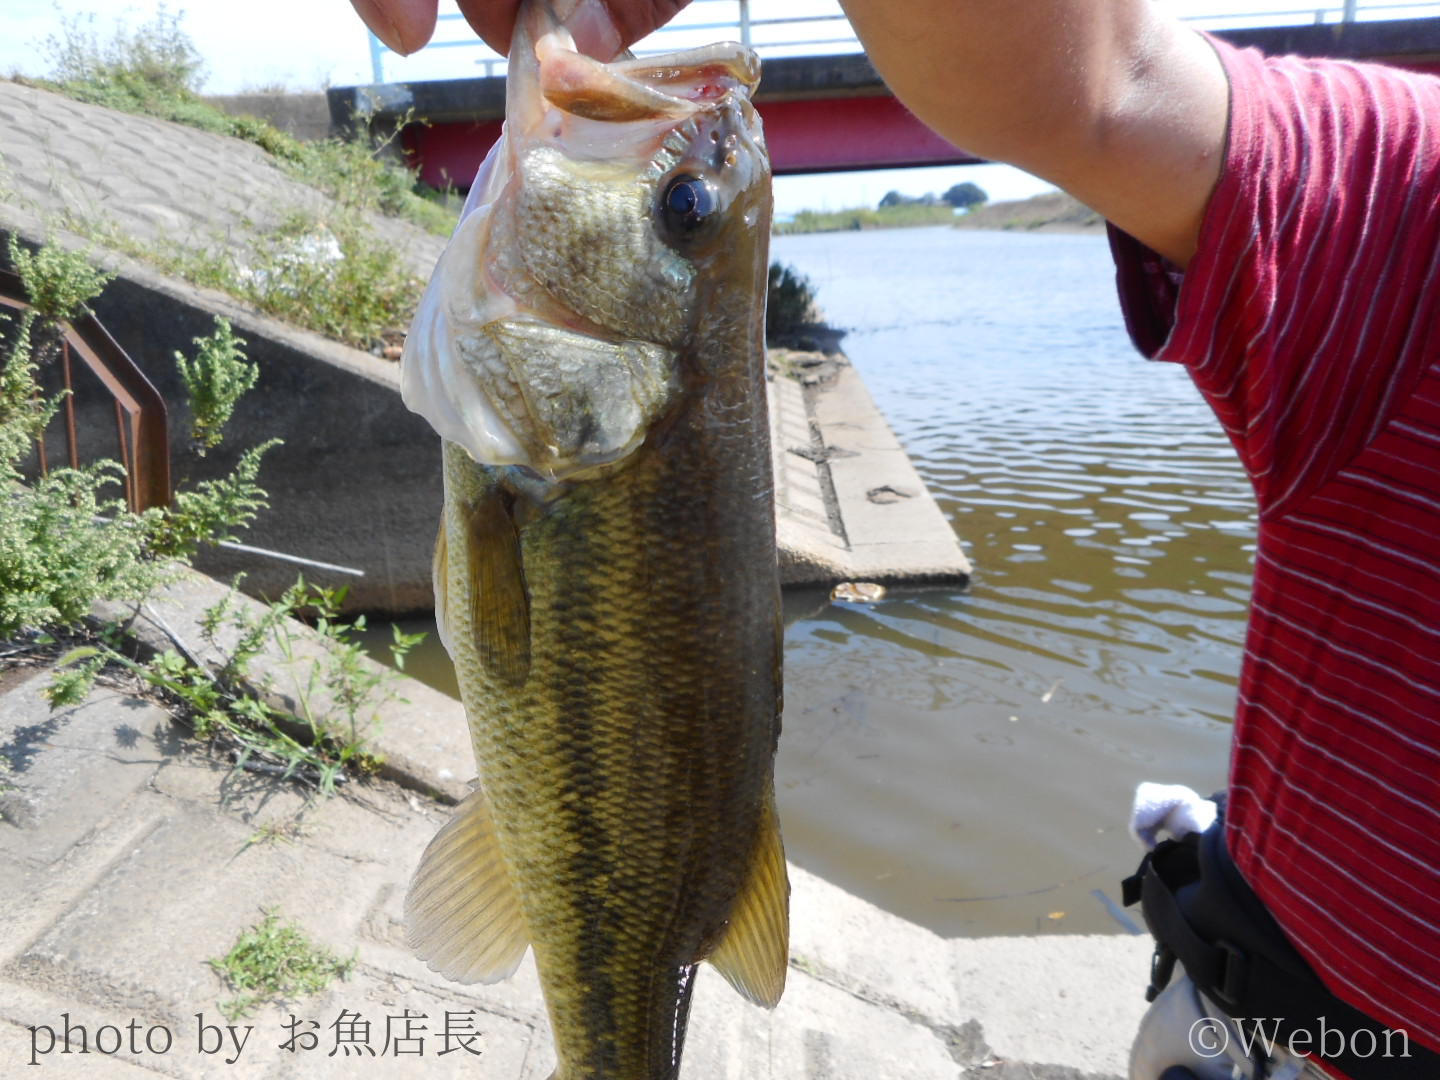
{"x": 605, "y": 575}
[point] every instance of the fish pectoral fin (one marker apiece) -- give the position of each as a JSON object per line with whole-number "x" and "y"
{"x": 462, "y": 914}
{"x": 499, "y": 604}
{"x": 754, "y": 954}
{"x": 440, "y": 578}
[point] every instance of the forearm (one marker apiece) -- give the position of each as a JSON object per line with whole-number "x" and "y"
{"x": 1106, "y": 98}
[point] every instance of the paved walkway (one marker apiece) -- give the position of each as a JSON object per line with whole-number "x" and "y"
{"x": 128, "y": 858}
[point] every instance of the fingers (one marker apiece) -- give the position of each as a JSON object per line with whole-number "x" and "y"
{"x": 404, "y": 25}
{"x": 634, "y": 19}
{"x": 601, "y": 29}
{"x": 493, "y": 20}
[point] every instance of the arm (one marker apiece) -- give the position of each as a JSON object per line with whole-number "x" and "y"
{"x": 1120, "y": 105}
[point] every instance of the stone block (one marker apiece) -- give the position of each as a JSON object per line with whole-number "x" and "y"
{"x": 71, "y": 769}
{"x": 143, "y": 933}
{"x": 1074, "y": 999}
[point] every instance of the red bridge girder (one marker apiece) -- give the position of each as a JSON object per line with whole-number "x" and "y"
{"x": 821, "y": 113}
{"x": 821, "y": 135}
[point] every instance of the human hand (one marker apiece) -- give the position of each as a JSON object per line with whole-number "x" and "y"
{"x": 601, "y": 27}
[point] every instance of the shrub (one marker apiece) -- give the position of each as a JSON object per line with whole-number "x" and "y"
{"x": 790, "y": 303}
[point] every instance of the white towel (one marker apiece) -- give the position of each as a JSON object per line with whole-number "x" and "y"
{"x": 1171, "y": 807}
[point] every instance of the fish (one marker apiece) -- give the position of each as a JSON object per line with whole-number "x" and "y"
{"x": 591, "y": 351}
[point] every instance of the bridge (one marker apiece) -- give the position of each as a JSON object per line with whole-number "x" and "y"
{"x": 830, "y": 112}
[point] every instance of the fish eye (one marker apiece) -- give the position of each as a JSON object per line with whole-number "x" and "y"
{"x": 687, "y": 204}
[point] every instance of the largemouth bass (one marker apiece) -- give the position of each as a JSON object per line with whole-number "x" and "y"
{"x": 591, "y": 350}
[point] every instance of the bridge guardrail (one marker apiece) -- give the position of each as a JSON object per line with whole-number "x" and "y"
{"x": 799, "y": 27}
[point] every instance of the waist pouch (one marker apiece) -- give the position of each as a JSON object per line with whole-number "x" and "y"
{"x": 1204, "y": 914}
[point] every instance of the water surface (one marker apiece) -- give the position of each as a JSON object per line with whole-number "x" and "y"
{"x": 967, "y": 758}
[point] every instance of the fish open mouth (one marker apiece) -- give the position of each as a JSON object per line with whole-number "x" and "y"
{"x": 551, "y": 334}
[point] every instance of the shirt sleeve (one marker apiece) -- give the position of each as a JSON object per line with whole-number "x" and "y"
{"x": 1310, "y": 308}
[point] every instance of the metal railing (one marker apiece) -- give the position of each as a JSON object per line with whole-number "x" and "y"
{"x": 140, "y": 417}
{"x": 801, "y": 27}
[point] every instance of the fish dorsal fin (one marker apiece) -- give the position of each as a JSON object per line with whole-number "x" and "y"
{"x": 495, "y": 578}
{"x": 754, "y": 954}
{"x": 462, "y": 915}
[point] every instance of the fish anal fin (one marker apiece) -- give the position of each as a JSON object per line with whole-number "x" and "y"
{"x": 498, "y": 601}
{"x": 462, "y": 914}
{"x": 754, "y": 953}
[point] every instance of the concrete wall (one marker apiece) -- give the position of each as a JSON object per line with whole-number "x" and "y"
{"x": 306, "y": 116}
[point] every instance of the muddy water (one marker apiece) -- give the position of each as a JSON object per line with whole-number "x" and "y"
{"x": 966, "y": 759}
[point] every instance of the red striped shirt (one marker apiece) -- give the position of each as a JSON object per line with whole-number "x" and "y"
{"x": 1310, "y": 320}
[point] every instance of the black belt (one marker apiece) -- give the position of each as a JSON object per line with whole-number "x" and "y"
{"x": 1204, "y": 915}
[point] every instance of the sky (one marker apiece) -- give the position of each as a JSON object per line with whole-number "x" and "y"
{"x": 310, "y": 44}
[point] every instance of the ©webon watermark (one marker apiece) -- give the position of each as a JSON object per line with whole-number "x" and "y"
{"x": 1212, "y": 1038}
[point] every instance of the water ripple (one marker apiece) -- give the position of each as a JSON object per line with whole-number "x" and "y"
{"x": 941, "y": 743}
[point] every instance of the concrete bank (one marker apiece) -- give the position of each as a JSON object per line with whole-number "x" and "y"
{"x": 357, "y": 482}
{"x": 129, "y": 858}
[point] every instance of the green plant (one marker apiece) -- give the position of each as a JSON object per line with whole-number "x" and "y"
{"x": 790, "y": 303}
{"x": 332, "y": 277}
{"x": 272, "y": 961}
{"x": 365, "y": 289}
{"x": 217, "y": 377}
{"x": 316, "y": 738}
{"x": 64, "y": 546}
{"x": 155, "y": 70}
{"x": 157, "y": 57}
{"x": 63, "y": 542}
{"x": 58, "y": 283}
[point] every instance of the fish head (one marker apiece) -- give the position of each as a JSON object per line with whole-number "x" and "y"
{"x": 616, "y": 232}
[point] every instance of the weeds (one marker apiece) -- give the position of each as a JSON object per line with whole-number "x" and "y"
{"x": 215, "y": 380}
{"x": 276, "y": 962}
{"x": 65, "y": 545}
{"x": 66, "y": 541}
{"x": 335, "y": 277}
{"x": 789, "y": 305}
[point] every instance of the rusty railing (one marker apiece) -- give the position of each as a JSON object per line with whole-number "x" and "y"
{"x": 140, "y": 418}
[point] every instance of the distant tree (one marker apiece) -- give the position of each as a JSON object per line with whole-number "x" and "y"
{"x": 894, "y": 198}
{"x": 966, "y": 194}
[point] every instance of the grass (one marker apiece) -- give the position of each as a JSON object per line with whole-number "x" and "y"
{"x": 274, "y": 961}
{"x": 336, "y": 277}
{"x": 911, "y": 215}
{"x": 155, "y": 70}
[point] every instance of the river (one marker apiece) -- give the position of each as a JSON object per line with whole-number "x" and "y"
{"x": 966, "y": 759}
